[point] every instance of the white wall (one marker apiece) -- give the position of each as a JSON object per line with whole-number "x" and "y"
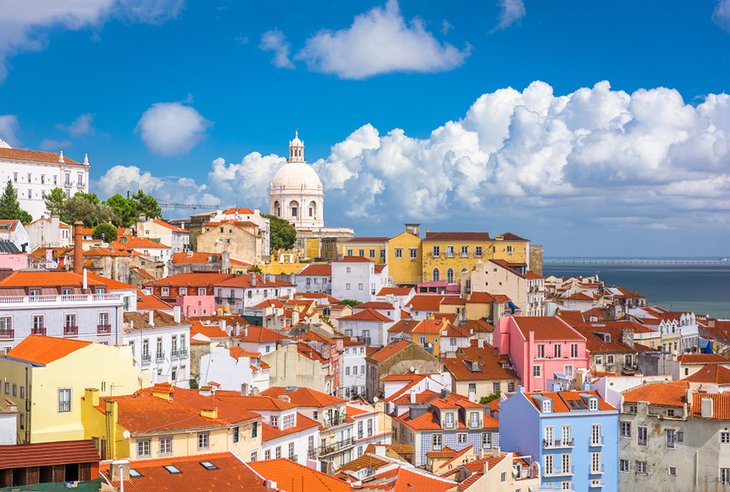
{"x": 230, "y": 373}
{"x": 353, "y": 280}
{"x": 162, "y": 370}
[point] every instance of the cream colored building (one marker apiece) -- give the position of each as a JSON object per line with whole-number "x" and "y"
{"x": 243, "y": 240}
{"x": 525, "y": 290}
{"x": 45, "y": 377}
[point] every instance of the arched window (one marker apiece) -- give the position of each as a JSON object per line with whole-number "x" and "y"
{"x": 294, "y": 209}
{"x": 313, "y": 209}
{"x": 450, "y": 276}
{"x": 277, "y": 208}
{"x": 463, "y": 272}
{"x": 436, "y": 275}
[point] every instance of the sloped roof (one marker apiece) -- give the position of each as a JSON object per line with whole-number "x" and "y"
{"x": 305, "y": 397}
{"x": 711, "y": 373}
{"x": 47, "y": 454}
{"x": 385, "y": 353}
{"x": 546, "y": 328}
{"x": 488, "y": 364}
{"x": 283, "y": 471}
{"x": 720, "y": 405}
{"x": 425, "y": 302}
{"x": 367, "y": 314}
{"x": 35, "y": 156}
{"x": 41, "y": 349}
{"x": 47, "y": 279}
{"x": 669, "y": 393}
{"x": 702, "y": 359}
{"x": 395, "y": 291}
{"x": 316, "y": 270}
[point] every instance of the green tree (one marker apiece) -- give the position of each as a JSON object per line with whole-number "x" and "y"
{"x": 255, "y": 269}
{"x": 10, "y": 207}
{"x": 106, "y": 232}
{"x": 92, "y": 197}
{"x": 125, "y": 210}
{"x": 486, "y": 399}
{"x": 55, "y": 200}
{"x": 80, "y": 208}
{"x": 147, "y": 205}
{"x": 283, "y": 234}
{"x": 350, "y": 302}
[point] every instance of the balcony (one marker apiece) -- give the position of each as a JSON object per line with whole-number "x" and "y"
{"x": 333, "y": 421}
{"x": 312, "y": 454}
{"x": 146, "y": 359}
{"x": 7, "y": 333}
{"x": 559, "y": 473}
{"x": 38, "y": 331}
{"x": 159, "y": 357}
{"x": 293, "y": 457}
{"x": 8, "y": 302}
{"x": 70, "y": 331}
{"x": 334, "y": 447}
{"x": 596, "y": 443}
{"x": 596, "y": 471}
{"x": 103, "y": 329}
{"x": 180, "y": 353}
{"x": 558, "y": 443}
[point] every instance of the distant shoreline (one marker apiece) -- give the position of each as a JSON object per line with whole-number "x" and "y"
{"x": 634, "y": 261}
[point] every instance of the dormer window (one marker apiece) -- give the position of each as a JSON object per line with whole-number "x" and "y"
{"x": 449, "y": 420}
{"x": 593, "y": 404}
{"x": 547, "y": 406}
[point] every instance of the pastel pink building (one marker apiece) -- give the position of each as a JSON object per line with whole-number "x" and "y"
{"x": 545, "y": 350}
{"x": 194, "y": 306}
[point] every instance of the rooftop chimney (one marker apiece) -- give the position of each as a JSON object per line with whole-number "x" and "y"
{"x": 86, "y": 280}
{"x": 176, "y": 314}
{"x": 78, "y": 247}
{"x": 707, "y": 406}
{"x": 151, "y": 319}
{"x": 120, "y": 470}
{"x": 413, "y": 397}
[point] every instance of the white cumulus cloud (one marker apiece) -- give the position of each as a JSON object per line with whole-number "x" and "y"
{"x": 721, "y": 14}
{"x": 24, "y": 24}
{"x": 171, "y": 128}
{"x": 276, "y": 42}
{"x": 82, "y": 125}
{"x": 380, "y": 41}
{"x": 511, "y": 11}
{"x": 9, "y": 129}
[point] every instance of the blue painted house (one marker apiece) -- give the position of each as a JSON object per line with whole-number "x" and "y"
{"x": 572, "y": 434}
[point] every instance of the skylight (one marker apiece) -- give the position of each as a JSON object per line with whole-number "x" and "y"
{"x": 172, "y": 469}
{"x": 134, "y": 473}
{"x": 208, "y": 465}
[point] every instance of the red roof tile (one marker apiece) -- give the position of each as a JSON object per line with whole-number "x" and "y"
{"x": 316, "y": 270}
{"x": 395, "y": 291}
{"x": 47, "y": 454}
{"x": 473, "y": 363}
{"x": 305, "y": 397}
{"x": 425, "y": 303}
{"x": 711, "y": 373}
{"x": 366, "y": 314}
{"x": 353, "y": 259}
{"x": 670, "y": 393}
{"x": 385, "y": 353}
{"x": 41, "y": 349}
{"x": 259, "y": 334}
{"x": 702, "y": 359}
{"x": 546, "y": 328}
{"x": 285, "y": 472}
{"x": 35, "y": 156}
{"x": 720, "y": 405}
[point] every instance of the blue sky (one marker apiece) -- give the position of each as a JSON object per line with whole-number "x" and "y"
{"x": 195, "y": 102}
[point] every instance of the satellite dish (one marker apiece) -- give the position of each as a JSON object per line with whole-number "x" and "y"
{"x": 412, "y": 369}
{"x": 375, "y": 399}
{"x": 126, "y": 434}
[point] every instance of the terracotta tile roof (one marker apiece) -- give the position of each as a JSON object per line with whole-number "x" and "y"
{"x": 142, "y": 320}
{"x": 304, "y": 397}
{"x": 353, "y": 259}
{"x": 607, "y": 339}
{"x": 230, "y": 474}
{"x": 711, "y": 373}
{"x": 244, "y": 281}
{"x": 275, "y": 303}
{"x": 403, "y": 479}
{"x": 210, "y": 331}
{"x": 453, "y": 301}
{"x": 47, "y": 454}
{"x": 195, "y": 258}
{"x": 457, "y": 236}
{"x": 35, "y": 156}
{"x": 572, "y": 317}
{"x": 599, "y": 314}
{"x": 236, "y": 223}
{"x": 720, "y": 405}
{"x": 670, "y": 393}
{"x": 8, "y": 225}
{"x": 168, "y": 226}
{"x": 478, "y": 325}
{"x": 148, "y": 302}
{"x": 259, "y": 334}
{"x": 46, "y": 279}
{"x": 382, "y": 305}
{"x": 363, "y": 462}
{"x": 425, "y": 302}
{"x": 395, "y": 291}
{"x": 429, "y": 421}
{"x": 191, "y": 279}
{"x": 110, "y": 283}
{"x": 367, "y": 314}
{"x": 403, "y": 397}
{"x": 409, "y": 376}
{"x": 256, "y": 403}
{"x": 703, "y": 359}
{"x": 448, "y": 453}
{"x": 269, "y": 432}
{"x": 283, "y": 472}
{"x": 41, "y": 349}
{"x": 238, "y": 211}
{"x": 473, "y": 363}
{"x": 316, "y": 270}
{"x": 546, "y": 328}
{"x": 508, "y": 236}
{"x": 134, "y": 242}
{"x": 481, "y": 298}
{"x": 385, "y": 353}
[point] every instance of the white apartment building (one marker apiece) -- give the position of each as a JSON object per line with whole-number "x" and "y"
{"x": 358, "y": 278}
{"x": 58, "y": 304}
{"x": 526, "y": 290}
{"x": 159, "y": 343}
{"x": 243, "y": 292}
{"x": 176, "y": 238}
{"x": 316, "y": 277}
{"x": 352, "y": 364}
{"x": 34, "y": 174}
{"x": 235, "y": 369}
{"x": 48, "y": 232}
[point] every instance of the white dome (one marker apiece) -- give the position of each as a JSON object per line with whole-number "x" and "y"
{"x": 296, "y": 177}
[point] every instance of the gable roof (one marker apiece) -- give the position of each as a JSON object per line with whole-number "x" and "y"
{"x": 367, "y": 314}
{"x": 669, "y": 393}
{"x": 702, "y": 359}
{"x": 35, "y": 156}
{"x": 47, "y": 454}
{"x": 489, "y": 364}
{"x": 283, "y": 472}
{"x": 385, "y": 353}
{"x": 259, "y": 334}
{"x": 425, "y": 302}
{"x": 395, "y": 291}
{"x": 316, "y": 270}
{"x": 546, "y": 328}
{"x": 720, "y": 405}
{"x": 711, "y": 373}
{"x": 40, "y": 349}
{"x": 304, "y": 397}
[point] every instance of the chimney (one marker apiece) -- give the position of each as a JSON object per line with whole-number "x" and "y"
{"x": 92, "y": 395}
{"x": 151, "y": 319}
{"x": 252, "y": 279}
{"x": 444, "y": 393}
{"x": 480, "y": 342}
{"x": 210, "y": 413}
{"x": 176, "y": 314}
{"x": 222, "y": 324}
{"x": 627, "y": 337}
{"x": 86, "y": 280}
{"x": 707, "y": 406}
{"x": 486, "y": 466}
{"x": 225, "y": 262}
{"x": 78, "y": 247}
{"x": 413, "y": 397}
{"x": 120, "y": 471}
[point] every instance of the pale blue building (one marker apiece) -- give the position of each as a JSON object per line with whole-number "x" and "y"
{"x": 572, "y": 434}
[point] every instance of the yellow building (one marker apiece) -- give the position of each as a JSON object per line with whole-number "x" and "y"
{"x": 427, "y": 332}
{"x": 448, "y": 255}
{"x": 374, "y": 248}
{"x": 513, "y": 249}
{"x": 404, "y": 256}
{"x": 169, "y": 421}
{"x": 45, "y": 377}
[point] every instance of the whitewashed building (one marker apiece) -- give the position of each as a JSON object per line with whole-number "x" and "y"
{"x": 233, "y": 368}
{"x": 48, "y": 232}
{"x": 177, "y": 238}
{"x": 34, "y": 174}
{"x": 353, "y": 380}
{"x": 358, "y": 278}
{"x": 15, "y": 232}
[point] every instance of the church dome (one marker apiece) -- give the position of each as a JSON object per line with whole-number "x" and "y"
{"x": 296, "y": 177}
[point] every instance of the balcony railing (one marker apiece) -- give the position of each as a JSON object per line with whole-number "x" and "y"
{"x": 9, "y": 333}
{"x": 103, "y": 329}
{"x": 558, "y": 443}
{"x": 179, "y": 353}
{"x": 38, "y": 331}
{"x": 333, "y": 421}
{"x": 146, "y": 359}
{"x": 160, "y": 356}
{"x": 596, "y": 442}
{"x": 334, "y": 447}
{"x": 555, "y": 472}
{"x": 70, "y": 331}
{"x": 61, "y": 299}
{"x": 596, "y": 471}
{"x": 312, "y": 454}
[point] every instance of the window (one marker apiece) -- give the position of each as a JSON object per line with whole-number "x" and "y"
{"x": 566, "y": 434}
{"x": 641, "y": 467}
{"x": 547, "y": 406}
{"x": 274, "y": 421}
{"x": 413, "y": 253}
{"x": 623, "y": 465}
{"x": 725, "y": 437}
{"x": 437, "y": 441}
{"x": 592, "y": 403}
{"x": 465, "y": 251}
{"x": 670, "y": 412}
{"x": 165, "y": 291}
{"x": 347, "y": 286}
{"x": 486, "y": 440}
{"x": 291, "y": 450}
{"x": 399, "y": 252}
{"x": 625, "y": 429}
{"x": 478, "y": 251}
{"x": 422, "y": 340}
{"x": 672, "y": 471}
{"x": 461, "y": 438}
{"x": 548, "y": 438}
{"x": 565, "y": 463}
{"x": 510, "y": 386}
{"x": 549, "y": 464}
{"x": 631, "y": 409}
{"x": 267, "y": 454}
{"x": 183, "y": 291}
{"x": 503, "y": 477}
{"x": 347, "y": 371}
{"x": 541, "y": 350}
{"x": 203, "y": 440}
{"x": 671, "y": 438}
{"x": 449, "y": 420}
{"x": 160, "y": 353}
{"x": 725, "y": 476}
{"x": 495, "y": 387}
{"x": 64, "y": 399}
{"x": 643, "y": 435}
{"x": 359, "y": 286}
{"x": 509, "y": 249}
{"x": 595, "y": 462}
{"x": 166, "y": 445}
{"x": 437, "y": 251}
{"x": 254, "y": 455}
{"x": 288, "y": 421}
{"x": 595, "y": 434}
{"x": 143, "y": 447}
{"x": 599, "y": 359}
{"x": 277, "y": 452}
{"x": 235, "y": 434}
{"x": 536, "y": 371}
{"x": 436, "y": 275}
{"x": 609, "y": 359}
{"x": 70, "y": 321}
{"x": 372, "y": 253}
{"x": 574, "y": 350}
{"x": 557, "y": 351}
{"x": 450, "y": 276}
{"x": 22, "y": 392}
{"x": 255, "y": 429}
